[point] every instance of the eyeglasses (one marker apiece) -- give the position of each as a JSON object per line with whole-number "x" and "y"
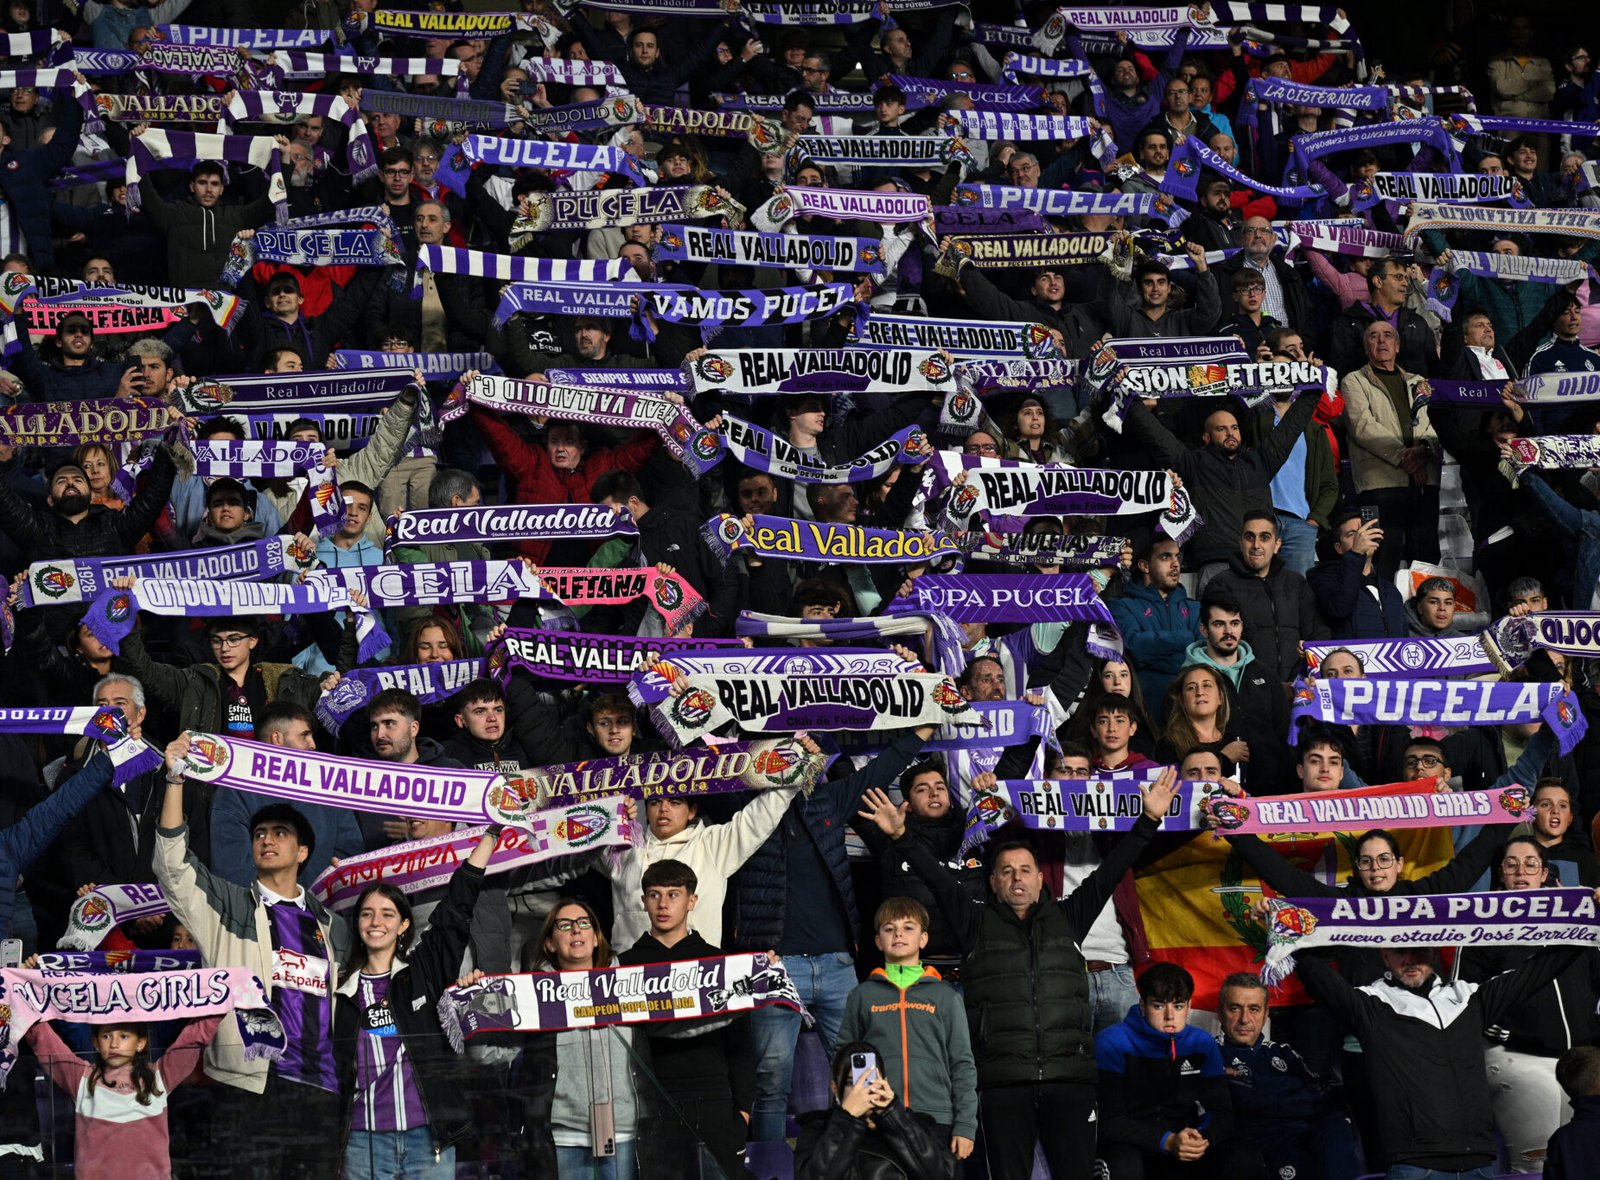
{"x": 960, "y": 76}
{"x": 568, "y": 925}
{"x": 397, "y": 172}
{"x": 1256, "y": 289}
{"x": 980, "y": 449}
{"x": 1532, "y": 864}
{"x": 812, "y": 70}
{"x": 1427, "y": 761}
{"x": 1382, "y": 861}
{"x": 228, "y": 640}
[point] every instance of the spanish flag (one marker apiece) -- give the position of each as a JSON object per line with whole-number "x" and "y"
{"x": 1196, "y": 900}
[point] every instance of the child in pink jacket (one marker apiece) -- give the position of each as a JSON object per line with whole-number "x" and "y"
{"x": 121, "y": 1099}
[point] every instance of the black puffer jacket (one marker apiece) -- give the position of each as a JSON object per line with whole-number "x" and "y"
{"x": 1026, "y": 982}
{"x": 1279, "y": 613}
{"x": 834, "y": 1145}
{"x": 42, "y": 533}
{"x": 415, "y": 986}
{"x": 1224, "y": 487}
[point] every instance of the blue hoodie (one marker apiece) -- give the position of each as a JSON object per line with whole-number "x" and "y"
{"x": 1153, "y": 1084}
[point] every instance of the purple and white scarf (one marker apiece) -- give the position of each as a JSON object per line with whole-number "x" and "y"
{"x": 621, "y": 207}
{"x": 654, "y": 685}
{"x": 786, "y": 704}
{"x": 810, "y": 540}
{"x": 1189, "y": 156}
{"x": 843, "y": 204}
{"x": 965, "y": 338}
{"x": 1004, "y": 251}
{"x": 550, "y": 1001}
{"x": 969, "y": 219}
{"x": 944, "y": 637}
{"x": 606, "y": 300}
{"x": 130, "y": 756}
{"x": 1015, "y": 376}
{"x": 255, "y": 460}
{"x": 658, "y": 380}
{"x": 69, "y": 580}
{"x": 326, "y": 247}
{"x": 834, "y": 102}
{"x": 158, "y": 108}
{"x": 761, "y": 450}
{"x": 1054, "y": 202}
{"x": 589, "y": 659}
{"x": 1539, "y": 389}
{"x": 1008, "y": 487}
{"x": 491, "y": 523}
{"x": 777, "y": 371}
{"x": 446, "y": 26}
{"x": 299, "y": 63}
{"x": 697, "y": 448}
{"x": 570, "y": 71}
{"x": 1316, "y": 144}
{"x": 105, "y": 907}
{"x": 441, "y": 116}
{"x": 765, "y": 135}
{"x": 1285, "y": 90}
{"x": 420, "y": 865}
{"x": 752, "y": 306}
{"x": 111, "y": 617}
{"x": 869, "y": 151}
{"x": 345, "y": 405}
{"x": 731, "y": 767}
{"x": 244, "y": 38}
{"x": 1018, "y": 65}
{"x": 1355, "y": 241}
{"x": 429, "y": 683}
{"x": 1066, "y": 550}
{"x": 1448, "y": 703}
{"x": 155, "y": 150}
{"x": 1007, "y": 125}
{"x": 277, "y": 106}
{"x": 1406, "y": 659}
{"x": 454, "y": 794}
{"x": 984, "y": 95}
{"x": 519, "y": 268}
{"x": 621, "y": 110}
{"x": 1499, "y": 917}
{"x": 1574, "y": 633}
{"x": 777, "y": 251}
{"x": 435, "y": 583}
{"x": 1253, "y": 382}
{"x": 28, "y": 997}
{"x": 1453, "y": 188}
{"x": 539, "y": 153}
{"x": 806, "y": 13}
{"x": 435, "y": 366}
{"x": 1016, "y": 598}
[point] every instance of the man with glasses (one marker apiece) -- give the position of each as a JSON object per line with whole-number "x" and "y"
{"x": 74, "y": 372}
{"x": 1388, "y": 288}
{"x": 1284, "y": 294}
{"x": 1577, "y": 100}
{"x": 396, "y": 169}
{"x": 227, "y": 695}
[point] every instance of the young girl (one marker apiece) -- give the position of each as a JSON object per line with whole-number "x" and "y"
{"x": 121, "y": 1100}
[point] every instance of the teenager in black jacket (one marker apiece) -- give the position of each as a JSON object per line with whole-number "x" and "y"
{"x": 388, "y": 1001}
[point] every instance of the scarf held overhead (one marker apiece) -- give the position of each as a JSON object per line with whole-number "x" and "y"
{"x": 1439, "y": 702}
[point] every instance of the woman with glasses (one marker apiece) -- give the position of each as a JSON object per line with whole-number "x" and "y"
{"x": 396, "y": 1069}
{"x": 595, "y": 1131}
{"x": 1520, "y": 1055}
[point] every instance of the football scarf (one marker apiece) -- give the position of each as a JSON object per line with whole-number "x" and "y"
{"x": 834, "y": 102}
{"x": 761, "y": 450}
{"x": 984, "y": 95}
{"x": 1444, "y": 285}
{"x": 1406, "y": 659}
{"x": 551, "y": 1001}
{"x": 810, "y": 540}
{"x": 436, "y": 583}
{"x": 429, "y": 683}
{"x": 1070, "y": 551}
{"x": 245, "y": 38}
{"x": 1316, "y": 144}
{"x": 588, "y": 659}
{"x": 651, "y": 380}
{"x": 277, "y": 106}
{"x": 572, "y": 72}
{"x": 303, "y": 64}
{"x": 539, "y": 153}
{"x": 840, "y": 204}
{"x": 1279, "y": 91}
{"x": 1355, "y": 241}
{"x": 1572, "y": 223}
{"x": 968, "y": 338}
{"x": 1500, "y": 917}
{"x": 1450, "y": 703}
{"x": 441, "y": 116}
{"x": 115, "y": 420}
{"x": 105, "y": 907}
{"x": 765, "y": 135}
{"x": 435, "y": 366}
{"x": 786, "y": 704}
{"x": 1189, "y": 156}
{"x": 1009, "y": 598}
{"x": 1537, "y": 390}
{"x": 1056, "y": 202}
{"x": 697, "y": 448}
{"x": 619, "y": 208}
{"x": 357, "y": 784}
{"x": 818, "y": 370}
{"x": 1398, "y": 805}
{"x": 732, "y": 766}
{"x": 654, "y": 685}
{"x": 417, "y": 866}
{"x": 447, "y": 26}
{"x": 623, "y": 110}
{"x": 1573, "y": 633}
{"x": 770, "y": 305}
{"x": 159, "y": 108}
{"x": 945, "y": 638}
{"x": 690, "y": 243}
{"x": 28, "y": 997}
{"x": 326, "y": 247}
{"x": 669, "y": 595}
{"x": 69, "y": 580}
{"x": 491, "y": 523}
{"x": 884, "y": 151}
{"x": 1453, "y": 188}
{"x": 1000, "y": 251}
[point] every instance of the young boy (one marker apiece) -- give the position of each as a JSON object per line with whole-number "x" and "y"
{"x": 923, "y": 1036}
{"x": 1575, "y": 1148}
{"x": 710, "y": 1075}
{"x": 1164, "y": 1103}
{"x": 1111, "y": 729}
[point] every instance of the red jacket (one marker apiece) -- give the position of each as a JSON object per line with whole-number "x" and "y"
{"x": 535, "y": 480}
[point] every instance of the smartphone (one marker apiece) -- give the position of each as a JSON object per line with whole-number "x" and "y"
{"x": 11, "y": 952}
{"x": 861, "y": 1064}
{"x": 1369, "y": 514}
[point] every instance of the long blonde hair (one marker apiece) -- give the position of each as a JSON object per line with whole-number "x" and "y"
{"x": 1180, "y": 734}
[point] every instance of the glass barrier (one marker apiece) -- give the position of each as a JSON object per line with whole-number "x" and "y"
{"x": 529, "y": 1118}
